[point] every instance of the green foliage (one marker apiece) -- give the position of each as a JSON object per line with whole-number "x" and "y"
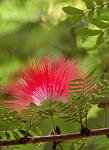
{"x": 105, "y": 18}
{"x": 100, "y": 39}
{"x": 94, "y": 12}
{"x": 99, "y": 11}
{"x": 101, "y": 94}
{"x": 72, "y": 11}
{"x": 23, "y": 147}
{"x": 99, "y": 2}
{"x": 92, "y": 144}
{"x": 87, "y": 32}
{"x": 85, "y": 85}
{"x": 14, "y": 125}
{"x": 82, "y": 98}
{"x": 100, "y": 24}
{"x": 89, "y": 4}
{"x": 76, "y": 109}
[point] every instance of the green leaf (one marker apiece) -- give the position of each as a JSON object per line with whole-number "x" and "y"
{"x": 79, "y": 84}
{"x": 72, "y": 10}
{"x": 17, "y": 134}
{"x": 75, "y": 20}
{"x": 38, "y": 131}
{"x": 11, "y": 136}
{"x": 99, "y": 2}
{"x": 7, "y": 135}
{"x": 4, "y": 136}
{"x": 105, "y": 18}
{"x": 32, "y": 133}
{"x": 77, "y": 80}
{"x": 91, "y": 14}
{"x": 100, "y": 24}
{"x": 89, "y": 4}
{"x": 99, "y": 11}
{"x": 100, "y": 39}
{"x": 87, "y": 32}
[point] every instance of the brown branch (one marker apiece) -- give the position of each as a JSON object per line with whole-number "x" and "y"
{"x": 62, "y": 137}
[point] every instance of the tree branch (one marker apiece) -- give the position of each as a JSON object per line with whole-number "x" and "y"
{"x": 61, "y": 138}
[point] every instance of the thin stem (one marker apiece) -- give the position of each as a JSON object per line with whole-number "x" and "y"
{"x": 81, "y": 123}
{"x": 105, "y": 116}
{"x": 53, "y": 124}
{"x": 54, "y": 128}
{"x": 86, "y": 121}
{"x": 31, "y": 123}
{"x": 60, "y": 146}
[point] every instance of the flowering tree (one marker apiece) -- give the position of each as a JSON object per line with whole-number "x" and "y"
{"x": 49, "y": 102}
{"x": 58, "y": 89}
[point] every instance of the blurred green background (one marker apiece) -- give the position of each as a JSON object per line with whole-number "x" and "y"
{"x": 37, "y": 28}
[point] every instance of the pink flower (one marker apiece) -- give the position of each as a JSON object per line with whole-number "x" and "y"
{"x": 42, "y": 80}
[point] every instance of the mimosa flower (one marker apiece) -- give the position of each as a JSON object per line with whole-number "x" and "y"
{"x": 42, "y": 80}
